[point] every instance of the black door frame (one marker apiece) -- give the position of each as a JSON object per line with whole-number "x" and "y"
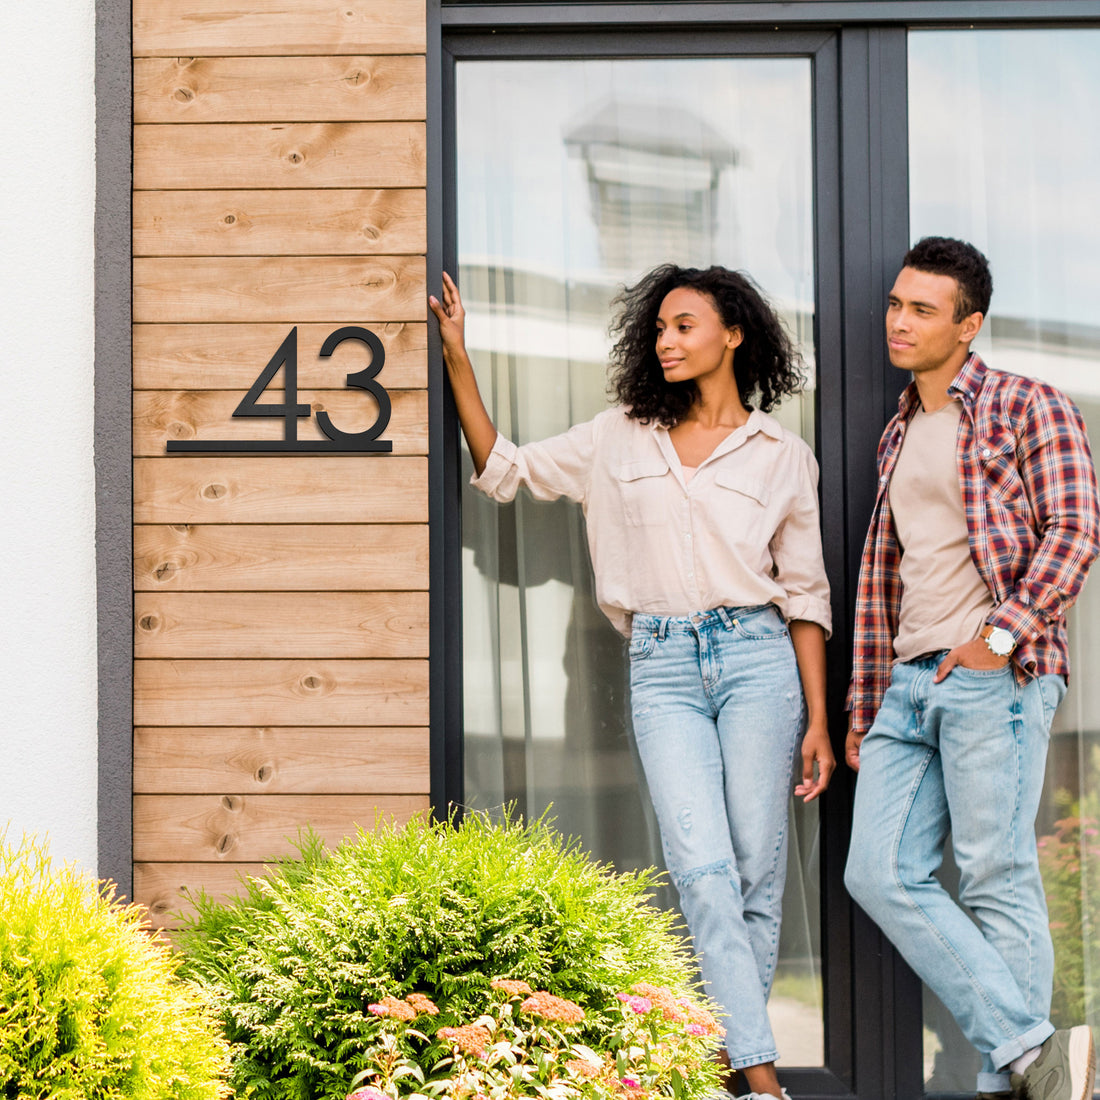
{"x": 859, "y": 49}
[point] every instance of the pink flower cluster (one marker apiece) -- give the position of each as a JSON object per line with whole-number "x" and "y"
{"x": 644, "y": 997}
{"x": 640, "y": 1005}
{"x": 415, "y": 1004}
{"x": 469, "y": 1038}
{"x": 512, "y": 987}
{"x": 554, "y": 1008}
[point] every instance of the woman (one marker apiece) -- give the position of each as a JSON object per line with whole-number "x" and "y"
{"x": 703, "y": 529}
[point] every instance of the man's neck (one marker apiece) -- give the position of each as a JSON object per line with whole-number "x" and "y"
{"x": 933, "y": 384}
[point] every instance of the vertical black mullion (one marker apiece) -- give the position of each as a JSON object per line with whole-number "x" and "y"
{"x": 445, "y": 568}
{"x": 113, "y": 449}
{"x": 886, "y": 1006}
{"x": 836, "y": 945}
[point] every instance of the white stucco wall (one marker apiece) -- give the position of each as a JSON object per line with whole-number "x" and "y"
{"x": 47, "y": 507}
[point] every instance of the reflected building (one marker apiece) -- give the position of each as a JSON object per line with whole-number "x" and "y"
{"x": 653, "y": 193}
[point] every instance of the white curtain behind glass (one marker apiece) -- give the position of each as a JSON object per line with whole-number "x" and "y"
{"x": 574, "y": 178}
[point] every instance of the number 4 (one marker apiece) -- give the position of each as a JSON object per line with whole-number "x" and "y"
{"x": 286, "y": 359}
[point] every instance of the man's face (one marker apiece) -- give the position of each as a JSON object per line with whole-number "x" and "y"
{"x": 921, "y": 330}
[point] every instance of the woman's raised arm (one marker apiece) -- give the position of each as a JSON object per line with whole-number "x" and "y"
{"x": 477, "y": 425}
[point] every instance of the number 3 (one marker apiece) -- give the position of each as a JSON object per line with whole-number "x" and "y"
{"x": 360, "y": 380}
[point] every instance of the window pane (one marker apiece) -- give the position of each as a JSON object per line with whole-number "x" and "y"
{"x": 1003, "y": 153}
{"x": 574, "y": 178}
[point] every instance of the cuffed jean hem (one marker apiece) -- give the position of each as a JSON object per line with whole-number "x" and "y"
{"x": 1010, "y": 1051}
{"x": 753, "y": 1060}
{"x": 994, "y": 1082}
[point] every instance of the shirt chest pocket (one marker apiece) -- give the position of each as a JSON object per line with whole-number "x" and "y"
{"x": 996, "y": 455}
{"x": 642, "y": 492}
{"x": 740, "y": 504}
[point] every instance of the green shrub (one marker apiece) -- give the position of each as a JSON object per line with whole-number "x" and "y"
{"x": 90, "y": 1005}
{"x": 434, "y": 911}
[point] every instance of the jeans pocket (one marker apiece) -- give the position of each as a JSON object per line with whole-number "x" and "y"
{"x": 984, "y": 673}
{"x": 642, "y": 645}
{"x": 761, "y": 624}
{"x": 1052, "y": 690}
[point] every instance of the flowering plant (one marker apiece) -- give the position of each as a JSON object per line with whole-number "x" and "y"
{"x": 530, "y": 1043}
{"x": 334, "y": 965}
{"x": 1069, "y": 859}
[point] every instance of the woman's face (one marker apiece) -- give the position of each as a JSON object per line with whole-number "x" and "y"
{"x": 692, "y": 342}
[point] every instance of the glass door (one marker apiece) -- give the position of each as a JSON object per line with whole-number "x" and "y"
{"x": 573, "y": 177}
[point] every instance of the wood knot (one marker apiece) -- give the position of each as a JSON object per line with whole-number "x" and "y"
{"x": 149, "y": 623}
{"x": 164, "y": 571}
{"x": 214, "y": 491}
{"x": 374, "y": 283}
{"x": 225, "y": 844}
{"x": 317, "y": 406}
{"x": 178, "y": 430}
{"x": 265, "y": 773}
{"x": 181, "y": 528}
{"x": 295, "y": 157}
{"x": 230, "y": 219}
{"x": 159, "y": 906}
{"x": 371, "y": 232}
{"x": 311, "y": 683}
{"x": 183, "y": 95}
{"x": 358, "y": 77}
{"x": 232, "y": 803}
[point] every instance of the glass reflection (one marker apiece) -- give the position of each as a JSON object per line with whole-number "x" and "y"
{"x": 574, "y": 178}
{"x": 1015, "y": 172}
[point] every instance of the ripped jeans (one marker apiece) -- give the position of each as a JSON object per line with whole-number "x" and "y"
{"x": 718, "y": 714}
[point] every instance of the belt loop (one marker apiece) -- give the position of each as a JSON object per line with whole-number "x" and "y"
{"x": 662, "y": 629}
{"x": 724, "y": 615}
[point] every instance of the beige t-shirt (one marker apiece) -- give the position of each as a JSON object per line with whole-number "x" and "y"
{"x": 944, "y": 600}
{"x": 744, "y": 530}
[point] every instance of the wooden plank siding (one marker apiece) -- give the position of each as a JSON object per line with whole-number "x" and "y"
{"x": 278, "y": 89}
{"x": 280, "y": 600}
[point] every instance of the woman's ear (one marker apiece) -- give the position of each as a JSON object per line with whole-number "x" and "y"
{"x": 734, "y": 336}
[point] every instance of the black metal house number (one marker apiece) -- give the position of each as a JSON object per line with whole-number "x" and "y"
{"x": 291, "y": 411}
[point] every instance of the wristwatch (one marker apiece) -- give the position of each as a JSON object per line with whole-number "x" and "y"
{"x": 1000, "y": 641}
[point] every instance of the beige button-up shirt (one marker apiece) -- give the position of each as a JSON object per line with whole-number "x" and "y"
{"x": 744, "y": 530}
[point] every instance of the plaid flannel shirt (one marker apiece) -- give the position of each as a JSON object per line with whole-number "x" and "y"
{"x": 1029, "y": 492}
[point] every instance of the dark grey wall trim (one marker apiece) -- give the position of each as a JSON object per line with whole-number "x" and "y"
{"x": 444, "y": 493}
{"x": 771, "y": 15}
{"x": 885, "y": 999}
{"x": 113, "y": 468}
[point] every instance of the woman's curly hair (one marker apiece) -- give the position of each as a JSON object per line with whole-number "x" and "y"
{"x": 765, "y": 363}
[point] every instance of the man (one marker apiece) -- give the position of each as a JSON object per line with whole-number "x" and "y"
{"x": 984, "y": 527}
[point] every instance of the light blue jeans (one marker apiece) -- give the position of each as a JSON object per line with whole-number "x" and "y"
{"x": 718, "y": 713}
{"x": 967, "y": 756}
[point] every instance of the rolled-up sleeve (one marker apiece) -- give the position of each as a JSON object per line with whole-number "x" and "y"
{"x": 556, "y": 467}
{"x": 797, "y": 554}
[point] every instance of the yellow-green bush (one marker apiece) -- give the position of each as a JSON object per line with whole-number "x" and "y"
{"x": 90, "y": 1004}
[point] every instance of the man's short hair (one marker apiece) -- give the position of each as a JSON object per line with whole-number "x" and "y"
{"x": 963, "y": 263}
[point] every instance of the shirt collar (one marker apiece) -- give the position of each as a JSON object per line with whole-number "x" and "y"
{"x": 757, "y": 422}
{"x": 966, "y": 385}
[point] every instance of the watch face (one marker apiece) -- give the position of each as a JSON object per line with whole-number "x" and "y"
{"x": 1000, "y": 641}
